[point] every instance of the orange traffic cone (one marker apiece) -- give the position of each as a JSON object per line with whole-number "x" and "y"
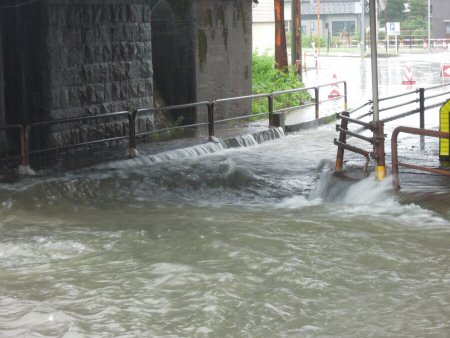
{"x": 408, "y": 76}
{"x": 334, "y": 93}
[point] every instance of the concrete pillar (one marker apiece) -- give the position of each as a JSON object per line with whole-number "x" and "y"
{"x": 2, "y": 99}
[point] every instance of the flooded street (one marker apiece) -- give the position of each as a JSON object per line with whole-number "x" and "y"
{"x": 259, "y": 241}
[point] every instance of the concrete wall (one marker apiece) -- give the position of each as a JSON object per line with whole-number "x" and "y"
{"x": 223, "y": 44}
{"x": 202, "y": 51}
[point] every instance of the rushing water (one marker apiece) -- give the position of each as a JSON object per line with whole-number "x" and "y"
{"x": 259, "y": 241}
{"x": 231, "y": 239}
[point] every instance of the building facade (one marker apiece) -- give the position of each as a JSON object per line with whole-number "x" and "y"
{"x": 337, "y": 18}
{"x": 440, "y": 19}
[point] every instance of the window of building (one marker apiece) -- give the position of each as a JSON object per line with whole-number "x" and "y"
{"x": 339, "y": 27}
{"x": 447, "y": 28}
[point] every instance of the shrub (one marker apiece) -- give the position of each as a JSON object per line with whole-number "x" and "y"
{"x": 268, "y": 79}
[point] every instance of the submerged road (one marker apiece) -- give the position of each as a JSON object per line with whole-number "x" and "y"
{"x": 254, "y": 241}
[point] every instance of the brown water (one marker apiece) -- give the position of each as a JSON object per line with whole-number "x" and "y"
{"x": 259, "y": 241}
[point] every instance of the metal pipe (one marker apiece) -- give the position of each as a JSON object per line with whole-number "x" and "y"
{"x": 132, "y": 132}
{"x": 316, "y": 94}
{"x": 342, "y": 140}
{"x": 211, "y": 106}
{"x": 370, "y": 126}
{"x": 394, "y": 151}
{"x": 380, "y": 153}
{"x": 351, "y": 133}
{"x": 374, "y": 58}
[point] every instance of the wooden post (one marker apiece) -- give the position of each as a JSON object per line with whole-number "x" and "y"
{"x": 280, "y": 37}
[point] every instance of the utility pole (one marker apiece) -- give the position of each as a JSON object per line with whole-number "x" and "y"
{"x": 429, "y": 26}
{"x": 378, "y": 133}
{"x": 280, "y": 37}
{"x": 296, "y": 44}
{"x": 318, "y": 27}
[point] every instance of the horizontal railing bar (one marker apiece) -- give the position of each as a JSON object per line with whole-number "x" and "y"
{"x": 241, "y": 117}
{"x": 400, "y": 116}
{"x": 437, "y": 86}
{"x": 434, "y": 105}
{"x": 290, "y": 91}
{"x": 79, "y": 144}
{"x": 238, "y": 98}
{"x": 168, "y": 108}
{"x": 398, "y": 95}
{"x": 172, "y": 128}
{"x": 352, "y": 148}
{"x": 364, "y": 115}
{"x": 437, "y": 95}
{"x": 354, "y": 110}
{"x": 399, "y": 105}
{"x": 79, "y": 119}
{"x": 365, "y": 124}
{"x": 11, "y": 126}
{"x": 330, "y": 84}
{"x": 427, "y": 169}
{"x": 361, "y": 137}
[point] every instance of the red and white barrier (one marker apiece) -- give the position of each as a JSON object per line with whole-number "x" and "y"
{"x": 334, "y": 93}
{"x": 408, "y": 78}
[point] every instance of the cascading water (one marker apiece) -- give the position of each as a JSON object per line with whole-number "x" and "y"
{"x": 263, "y": 240}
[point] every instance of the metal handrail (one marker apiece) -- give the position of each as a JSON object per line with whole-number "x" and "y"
{"x": 377, "y": 128}
{"x": 394, "y": 152}
{"x": 132, "y": 116}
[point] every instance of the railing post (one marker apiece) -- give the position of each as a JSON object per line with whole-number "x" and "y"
{"x": 422, "y": 107}
{"x": 422, "y": 115}
{"x": 132, "y": 131}
{"x": 342, "y": 139}
{"x": 271, "y": 104}
{"x": 345, "y": 96}
{"x": 394, "y": 155}
{"x": 211, "y": 106}
{"x": 316, "y": 94}
{"x": 24, "y": 146}
{"x": 379, "y": 150}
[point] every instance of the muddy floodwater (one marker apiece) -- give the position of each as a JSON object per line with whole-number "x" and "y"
{"x": 258, "y": 241}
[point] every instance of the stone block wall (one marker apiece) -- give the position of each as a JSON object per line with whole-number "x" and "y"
{"x": 99, "y": 59}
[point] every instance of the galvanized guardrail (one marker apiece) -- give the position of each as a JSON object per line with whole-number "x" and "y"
{"x": 377, "y": 141}
{"x": 394, "y": 149}
{"x": 31, "y": 131}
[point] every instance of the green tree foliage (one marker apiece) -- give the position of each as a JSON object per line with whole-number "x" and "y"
{"x": 417, "y": 18}
{"x": 267, "y": 79}
{"x": 395, "y": 10}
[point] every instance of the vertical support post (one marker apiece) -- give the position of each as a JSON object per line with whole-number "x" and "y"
{"x": 342, "y": 139}
{"x": 422, "y": 107}
{"x": 271, "y": 102}
{"x": 298, "y": 34}
{"x": 394, "y": 154}
{"x": 316, "y": 93}
{"x": 345, "y": 96}
{"x": 25, "y": 146}
{"x": 132, "y": 132}
{"x": 363, "y": 28}
{"x": 211, "y": 106}
{"x": 380, "y": 150}
{"x": 293, "y": 33}
{"x": 422, "y": 115}
{"x": 318, "y": 27}
{"x": 281, "y": 61}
